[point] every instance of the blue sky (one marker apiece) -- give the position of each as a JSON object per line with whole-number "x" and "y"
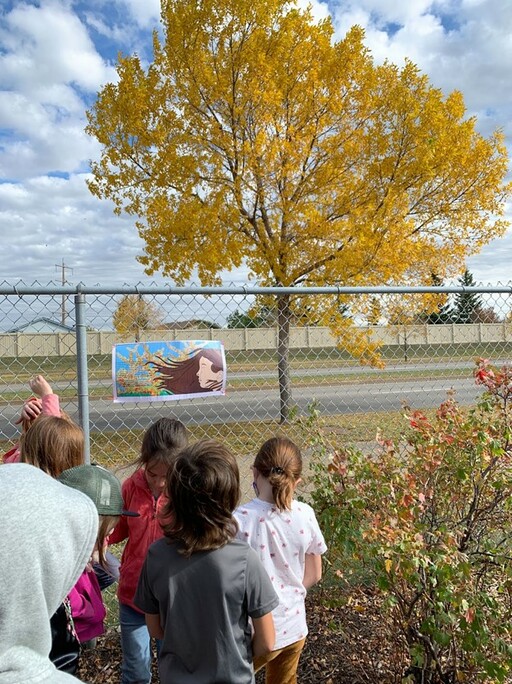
{"x": 56, "y": 54}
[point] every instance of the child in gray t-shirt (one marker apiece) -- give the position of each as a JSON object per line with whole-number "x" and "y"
{"x": 205, "y": 594}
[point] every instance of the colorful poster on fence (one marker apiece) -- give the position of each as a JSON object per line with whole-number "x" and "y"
{"x": 156, "y": 371}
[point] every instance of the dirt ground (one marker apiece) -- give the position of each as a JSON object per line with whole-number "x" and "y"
{"x": 347, "y": 644}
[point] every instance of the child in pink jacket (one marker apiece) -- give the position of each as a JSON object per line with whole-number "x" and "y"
{"x": 45, "y": 403}
{"x": 87, "y": 607}
{"x": 104, "y": 489}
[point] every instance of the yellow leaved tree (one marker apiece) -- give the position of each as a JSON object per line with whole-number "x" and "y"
{"x": 134, "y": 315}
{"x": 254, "y": 137}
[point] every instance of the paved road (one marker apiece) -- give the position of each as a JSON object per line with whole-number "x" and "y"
{"x": 238, "y": 406}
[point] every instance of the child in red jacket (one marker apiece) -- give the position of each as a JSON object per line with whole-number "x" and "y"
{"x": 143, "y": 492}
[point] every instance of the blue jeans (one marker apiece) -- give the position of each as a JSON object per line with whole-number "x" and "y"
{"x": 136, "y": 646}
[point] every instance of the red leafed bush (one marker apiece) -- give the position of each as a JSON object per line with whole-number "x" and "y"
{"x": 428, "y": 523}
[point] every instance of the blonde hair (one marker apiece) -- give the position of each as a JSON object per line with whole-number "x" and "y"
{"x": 107, "y": 524}
{"x": 53, "y": 444}
{"x": 280, "y": 461}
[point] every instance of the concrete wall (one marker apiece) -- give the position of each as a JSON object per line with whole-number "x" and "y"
{"x": 100, "y": 342}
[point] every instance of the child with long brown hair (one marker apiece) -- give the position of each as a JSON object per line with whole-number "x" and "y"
{"x": 286, "y": 536}
{"x": 200, "y": 587}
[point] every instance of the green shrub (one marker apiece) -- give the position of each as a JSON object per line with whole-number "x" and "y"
{"x": 427, "y": 522}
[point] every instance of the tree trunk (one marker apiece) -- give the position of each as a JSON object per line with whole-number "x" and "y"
{"x": 283, "y": 361}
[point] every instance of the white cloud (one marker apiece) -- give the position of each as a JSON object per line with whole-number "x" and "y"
{"x": 145, "y": 12}
{"x": 47, "y": 138}
{"x": 48, "y": 62}
{"x": 466, "y": 46}
{"x": 492, "y": 265}
{"x": 56, "y": 218}
{"x": 319, "y": 8}
{"x": 48, "y": 45}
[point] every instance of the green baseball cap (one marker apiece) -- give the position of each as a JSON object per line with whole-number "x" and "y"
{"x": 100, "y": 485}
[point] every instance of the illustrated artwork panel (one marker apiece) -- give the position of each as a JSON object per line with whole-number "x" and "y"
{"x": 159, "y": 371}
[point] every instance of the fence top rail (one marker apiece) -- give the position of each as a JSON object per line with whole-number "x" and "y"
{"x": 81, "y": 289}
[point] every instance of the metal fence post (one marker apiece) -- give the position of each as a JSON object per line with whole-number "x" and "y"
{"x": 82, "y": 372}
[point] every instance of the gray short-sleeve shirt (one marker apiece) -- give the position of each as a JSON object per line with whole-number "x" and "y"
{"x": 204, "y": 603}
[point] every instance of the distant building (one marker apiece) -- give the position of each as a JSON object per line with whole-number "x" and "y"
{"x": 193, "y": 324}
{"x": 42, "y": 325}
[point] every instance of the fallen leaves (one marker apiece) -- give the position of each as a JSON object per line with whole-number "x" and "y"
{"x": 347, "y": 644}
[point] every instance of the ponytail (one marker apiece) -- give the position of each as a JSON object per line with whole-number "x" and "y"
{"x": 280, "y": 461}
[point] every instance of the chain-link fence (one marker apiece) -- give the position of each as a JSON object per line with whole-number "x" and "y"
{"x": 417, "y": 344}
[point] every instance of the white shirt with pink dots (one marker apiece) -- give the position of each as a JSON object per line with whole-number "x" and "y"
{"x": 282, "y": 540}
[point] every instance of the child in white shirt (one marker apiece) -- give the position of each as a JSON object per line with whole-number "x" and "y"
{"x": 286, "y": 536}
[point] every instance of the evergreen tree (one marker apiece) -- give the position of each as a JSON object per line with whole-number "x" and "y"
{"x": 467, "y": 305}
{"x": 238, "y": 319}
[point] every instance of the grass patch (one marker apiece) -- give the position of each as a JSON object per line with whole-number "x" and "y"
{"x": 119, "y": 449}
{"x": 20, "y": 369}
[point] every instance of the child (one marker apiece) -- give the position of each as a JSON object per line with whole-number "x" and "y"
{"x": 200, "y": 586}
{"x": 53, "y": 444}
{"x": 46, "y": 543}
{"x": 46, "y": 403}
{"x": 287, "y": 538}
{"x": 143, "y": 492}
{"x": 85, "y": 598}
